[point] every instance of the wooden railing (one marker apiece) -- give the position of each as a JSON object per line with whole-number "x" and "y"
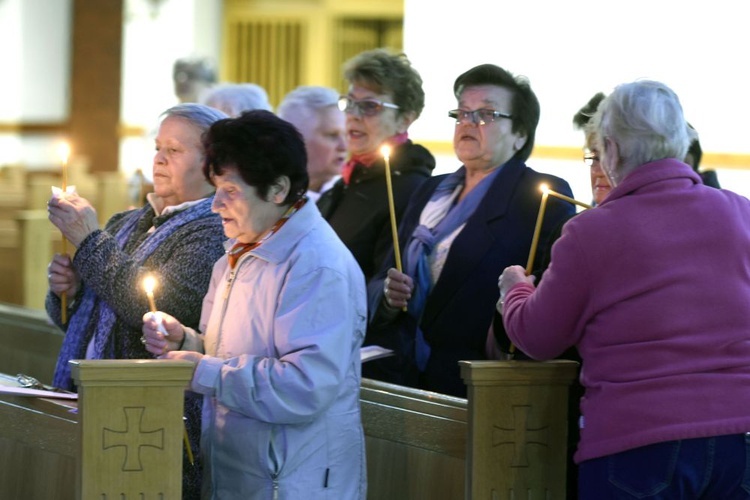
{"x": 506, "y": 440}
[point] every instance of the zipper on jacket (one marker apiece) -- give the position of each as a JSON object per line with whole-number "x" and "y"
{"x": 230, "y": 282}
{"x": 274, "y": 478}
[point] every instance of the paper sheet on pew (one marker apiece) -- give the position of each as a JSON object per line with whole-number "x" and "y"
{"x": 370, "y": 352}
{"x": 36, "y": 393}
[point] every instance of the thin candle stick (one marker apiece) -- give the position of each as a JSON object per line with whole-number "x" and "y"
{"x": 538, "y": 228}
{"x": 537, "y": 232}
{"x": 64, "y": 152}
{"x": 391, "y": 206}
{"x": 188, "y": 448}
{"x": 386, "y": 151}
{"x": 569, "y": 199}
{"x": 535, "y": 240}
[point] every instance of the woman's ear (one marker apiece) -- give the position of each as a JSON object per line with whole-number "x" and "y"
{"x": 279, "y": 189}
{"x": 519, "y": 142}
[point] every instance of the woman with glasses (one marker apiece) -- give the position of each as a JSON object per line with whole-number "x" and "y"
{"x": 652, "y": 288}
{"x": 385, "y": 97}
{"x": 458, "y": 234}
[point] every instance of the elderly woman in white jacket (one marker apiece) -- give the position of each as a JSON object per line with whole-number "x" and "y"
{"x": 277, "y": 357}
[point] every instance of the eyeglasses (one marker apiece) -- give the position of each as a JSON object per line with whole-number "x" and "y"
{"x": 364, "y": 107}
{"x": 590, "y": 158}
{"x": 478, "y": 116}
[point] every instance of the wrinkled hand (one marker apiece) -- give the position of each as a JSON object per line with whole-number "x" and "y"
{"x": 73, "y": 216}
{"x": 192, "y": 356}
{"x": 397, "y": 288}
{"x": 154, "y": 326}
{"x": 62, "y": 277}
{"x": 511, "y": 276}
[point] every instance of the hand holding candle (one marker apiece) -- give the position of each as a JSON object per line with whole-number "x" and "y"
{"x": 546, "y": 191}
{"x": 385, "y": 150}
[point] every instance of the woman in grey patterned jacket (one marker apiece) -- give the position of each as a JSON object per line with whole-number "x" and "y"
{"x": 175, "y": 237}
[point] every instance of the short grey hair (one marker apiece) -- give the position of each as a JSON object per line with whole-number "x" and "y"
{"x": 235, "y": 98}
{"x": 199, "y": 115}
{"x": 645, "y": 119}
{"x": 303, "y": 103}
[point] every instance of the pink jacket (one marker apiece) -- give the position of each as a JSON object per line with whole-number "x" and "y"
{"x": 653, "y": 287}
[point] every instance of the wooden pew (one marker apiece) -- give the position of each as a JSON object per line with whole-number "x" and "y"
{"x": 30, "y": 343}
{"x": 123, "y": 438}
{"x": 507, "y": 440}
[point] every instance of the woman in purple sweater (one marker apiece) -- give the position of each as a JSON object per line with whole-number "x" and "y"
{"x": 653, "y": 288}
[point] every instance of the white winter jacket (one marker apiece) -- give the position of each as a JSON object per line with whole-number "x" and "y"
{"x": 281, "y": 375}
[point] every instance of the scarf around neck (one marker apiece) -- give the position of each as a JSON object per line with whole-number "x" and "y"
{"x": 444, "y": 221}
{"x": 367, "y": 160}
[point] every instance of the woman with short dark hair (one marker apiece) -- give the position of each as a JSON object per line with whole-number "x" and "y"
{"x": 277, "y": 353}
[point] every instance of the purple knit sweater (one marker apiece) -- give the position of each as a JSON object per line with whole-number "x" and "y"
{"x": 653, "y": 287}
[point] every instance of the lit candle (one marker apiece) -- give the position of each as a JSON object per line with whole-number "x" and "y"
{"x": 63, "y": 152}
{"x": 537, "y": 229}
{"x": 546, "y": 191}
{"x": 386, "y": 152}
{"x": 149, "y": 283}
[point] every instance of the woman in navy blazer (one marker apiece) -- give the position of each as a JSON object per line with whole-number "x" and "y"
{"x": 457, "y": 235}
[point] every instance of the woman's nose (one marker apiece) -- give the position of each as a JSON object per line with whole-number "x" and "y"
{"x": 217, "y": 201}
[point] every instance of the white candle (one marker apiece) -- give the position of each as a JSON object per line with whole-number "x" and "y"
{"x": 63, "y": 152}
{"x": 386, "y": 152}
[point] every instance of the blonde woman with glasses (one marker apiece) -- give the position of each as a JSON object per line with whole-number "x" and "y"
{"x": 384, "y": 98}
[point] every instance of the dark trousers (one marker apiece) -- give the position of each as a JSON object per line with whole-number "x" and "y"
{"x": 715, "y": 468}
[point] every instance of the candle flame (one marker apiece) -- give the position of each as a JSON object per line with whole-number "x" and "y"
{"x": 385, "y": 150}
{"x": 149, "y": 283}
{"x": 63, "y": 151}
{"x": 544, "y": 188}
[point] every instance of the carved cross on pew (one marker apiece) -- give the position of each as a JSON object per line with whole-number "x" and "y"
{"x": 520, "y": 436}
{"x": 132, "y": 438}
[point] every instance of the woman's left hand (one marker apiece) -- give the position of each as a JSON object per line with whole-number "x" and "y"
{"x": 511, "y": 276}
{"x": 73, "y": 216}
{"x": 193, "y": 356}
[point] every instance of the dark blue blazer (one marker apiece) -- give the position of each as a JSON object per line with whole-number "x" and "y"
{"x": 461, "y": 305}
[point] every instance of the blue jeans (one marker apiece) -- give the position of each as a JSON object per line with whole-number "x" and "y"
{"x": 715, "y": 468}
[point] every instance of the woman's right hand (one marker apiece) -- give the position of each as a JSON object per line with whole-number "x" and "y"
{"x": 62, "y": 277}
{"x": 154, "y": 338}
{"x": 397, "y": 289}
